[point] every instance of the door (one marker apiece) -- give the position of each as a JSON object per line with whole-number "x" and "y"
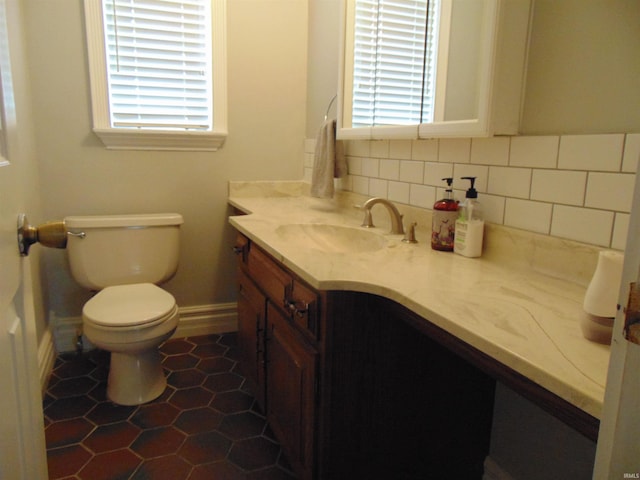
{"x": 22, "y": 450}
{"x": 618, "y": 451}
{"x": 291, "y": 382}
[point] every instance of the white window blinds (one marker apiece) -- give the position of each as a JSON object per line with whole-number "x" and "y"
{"x": 159, "y": 63}
{"x": 395, "y": 51}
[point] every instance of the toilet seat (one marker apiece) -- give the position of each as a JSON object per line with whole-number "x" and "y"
{"x": 140, "y": 304}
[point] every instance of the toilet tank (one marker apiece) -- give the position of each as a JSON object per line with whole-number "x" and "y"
{"x": 106, "y": 250}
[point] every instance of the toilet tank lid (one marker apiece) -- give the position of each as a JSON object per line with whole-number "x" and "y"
{"x": 127, "y": 220}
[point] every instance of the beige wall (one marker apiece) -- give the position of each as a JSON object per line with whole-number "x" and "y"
{"x": 267, "y": 61}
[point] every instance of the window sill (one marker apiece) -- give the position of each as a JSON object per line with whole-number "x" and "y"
{"x": 126, "y": 139}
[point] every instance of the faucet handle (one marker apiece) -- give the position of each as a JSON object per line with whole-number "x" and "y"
{"x": 410, "y": 234}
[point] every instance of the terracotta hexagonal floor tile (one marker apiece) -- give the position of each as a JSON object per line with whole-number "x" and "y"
{"x": 66, "y": 461}
{"x": 116, "y": 465}
{"x": 186, "y": 378}
{"x": 72, "y": 387}
{"x": 198, "y": 420}
{"x": 254, "y": 453}
{"x": 108, "y": 412}
{"x": 155, "y": 415}
{"x": 111, "y": 437}
{"x": 171, "y": 467}
{"x": 67, "y": 432}
{"x": 205, "y": 339}
{"x": 158, "y": 442}
{"x": 205, "y": 448}
{"x": 215, "y": 365}
{"x": 69, "y": 408}
{"x": 209, "y": 350}
{"x": 232, "y": 402}
{"x": 242, "y": 425}
{"x": 180, "y": 362}
{"x": 75, "y": 367}
{"x": 173, "y": 347}
{"x": 218, "y": 470}
{"x": 223, "y": 382}
{"x": 191, "y": 398}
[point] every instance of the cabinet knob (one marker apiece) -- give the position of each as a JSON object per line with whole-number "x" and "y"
{"x": 238, "y": 250}
{"x": 298, "y": 308}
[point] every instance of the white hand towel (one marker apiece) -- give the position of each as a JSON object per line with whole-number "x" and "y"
{"x": 329, "y": 161}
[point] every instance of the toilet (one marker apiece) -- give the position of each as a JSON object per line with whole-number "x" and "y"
{"x": 123, "y": 258}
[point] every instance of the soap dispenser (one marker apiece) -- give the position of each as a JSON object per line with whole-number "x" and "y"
{"x": 470, "y": 224}
{"x": 443, "y": 223}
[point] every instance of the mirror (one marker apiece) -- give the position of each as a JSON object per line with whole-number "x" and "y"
{"x": 432, "y": 68}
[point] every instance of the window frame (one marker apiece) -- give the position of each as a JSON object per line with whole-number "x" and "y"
{"x": 156, "y": 139}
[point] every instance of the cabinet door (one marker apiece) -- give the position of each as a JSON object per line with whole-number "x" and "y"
{"x": 291, "y": 380}
{"x": 251, "y": 321}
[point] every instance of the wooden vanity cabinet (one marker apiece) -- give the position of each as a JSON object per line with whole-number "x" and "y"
{"x": 277, "y": 321}
{"x": 350, "y": 388}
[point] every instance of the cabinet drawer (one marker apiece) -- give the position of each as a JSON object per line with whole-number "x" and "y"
{"x": 304, "y": 306}
{"x": 273, "y": 280}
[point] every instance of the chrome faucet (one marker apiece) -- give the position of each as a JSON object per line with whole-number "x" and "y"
{"x": 396, "y": 217}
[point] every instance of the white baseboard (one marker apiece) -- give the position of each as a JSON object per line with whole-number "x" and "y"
{"x": 46, "y": 358}
{"x": 493, "y": 471}
{"x": 196, "y": 320}
{"x": 207, "y": 319}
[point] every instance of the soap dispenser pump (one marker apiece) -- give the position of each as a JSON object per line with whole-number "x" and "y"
{"x": 470, "y": 224}
{"x": 443, "y": 223}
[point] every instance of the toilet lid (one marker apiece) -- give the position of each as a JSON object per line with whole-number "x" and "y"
{"x": 127, "y": 305}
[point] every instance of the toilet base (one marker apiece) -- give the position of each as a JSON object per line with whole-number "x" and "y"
{"x": 135, "y": 379}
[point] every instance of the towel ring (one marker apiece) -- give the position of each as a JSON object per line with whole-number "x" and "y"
{"x": 326, "y": 114}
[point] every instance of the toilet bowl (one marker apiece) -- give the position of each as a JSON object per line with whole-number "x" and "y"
{"x": 123, "y": 258}
{"x": 131, "y": 321}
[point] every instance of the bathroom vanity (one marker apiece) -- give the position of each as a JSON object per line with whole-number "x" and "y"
{"x": 362, "y": 379}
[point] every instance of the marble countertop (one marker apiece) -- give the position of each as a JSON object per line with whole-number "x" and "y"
{"x": 509, "y": 303}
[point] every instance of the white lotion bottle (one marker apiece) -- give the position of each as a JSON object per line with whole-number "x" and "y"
{"x": 470, "y": 224}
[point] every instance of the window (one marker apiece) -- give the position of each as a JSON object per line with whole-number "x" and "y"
{"x": 394, "y": 62}
{"x": 158, "y": 73}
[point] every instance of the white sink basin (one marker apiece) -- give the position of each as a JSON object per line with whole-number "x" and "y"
{"x": 331, "y": 238}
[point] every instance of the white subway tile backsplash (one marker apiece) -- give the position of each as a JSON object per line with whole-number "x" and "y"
{"x": 481, "y": 172}
{"x": 490, "y": 151}
{"x": 411, "y": 171}
{"x": 582, "y": 224}
{"x": 631, "y": 153}
{"x": 423, "y": 196}
{"x": 308, "y": 159}
{"x": 357, "y": 148}
{"x": 509, "y": 181}
{"x": 435, "y": 172}
{"x": 620, "y": 231}
{"x": 558, "y": 186}
{"x": 535, "y": 152}
{"x": 379, "y": 148}
{"x": 578, "y": 187}
{"x": 454, "y": 150}
{"x": 399, "y": 192}
{"x": 591, "y": 152}
{"x": 493, "y": 208}
{"x": 400, "y": 149}
{"x": 390, "y": 169}
{"x": 425, "y": 150}
{"x": 360, "y": 184}
{"x": 528, "y": 215}
{"x": 354, "y": 165}
{"x": 378, "y": 187}
{"x": 610, "y": 191}
{"x": 371, "y": 167}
